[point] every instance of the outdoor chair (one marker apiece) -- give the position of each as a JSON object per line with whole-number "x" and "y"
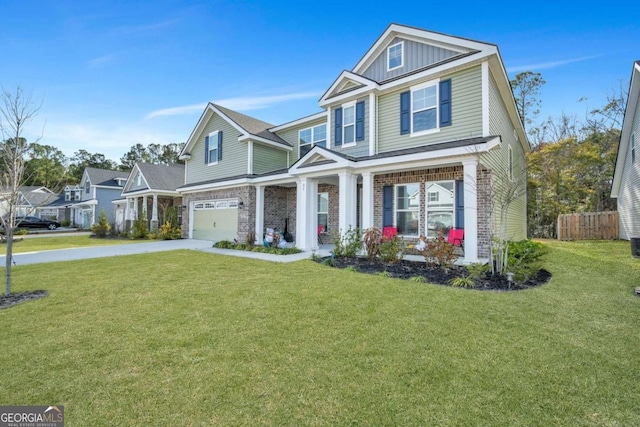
{"x": 388, "y": 233}
{"x": 456, "y": 238}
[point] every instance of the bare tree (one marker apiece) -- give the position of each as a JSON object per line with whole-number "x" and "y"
{"x": 526, "y": 91}
{"x": 17, "y": 110}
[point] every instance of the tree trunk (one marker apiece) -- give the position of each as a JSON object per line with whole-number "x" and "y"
{"x": 8, "y": 261}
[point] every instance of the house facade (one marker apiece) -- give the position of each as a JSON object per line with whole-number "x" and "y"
{"x": 421, "y": 135}
{"x": 97, "y": 189}
{"x": 150, "y": 192}
{"x": 626, "y": 178}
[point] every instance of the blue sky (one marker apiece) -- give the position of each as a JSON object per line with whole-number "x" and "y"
{"x": 111, "y": 74}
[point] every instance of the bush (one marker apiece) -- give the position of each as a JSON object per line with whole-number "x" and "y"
{"x": 524, "y": 259}
{"x": 391, "y": 249}
{"x": 168, "y": 231}
{"x": 462, "y": 282}
{"x": 101, "y": 228}
{"x": 65, "y": 223}
{"x": 223, "y": 244}
{"x": 439, "y": 252}
{"x": 371, "y": 239}
{"x": 21, "y": 231}
{"x": 347, "y": 246}
{"x": 140, "y": 228}
{"x": 227, "y": 244}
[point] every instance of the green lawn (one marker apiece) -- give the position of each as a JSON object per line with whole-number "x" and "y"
{"x": 194, "y": 339}
{"x": 32, "y": 244}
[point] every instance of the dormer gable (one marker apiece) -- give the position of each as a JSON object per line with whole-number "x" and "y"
{"x": 347, "y": 85}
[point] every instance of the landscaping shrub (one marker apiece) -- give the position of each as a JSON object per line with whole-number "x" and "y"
{"x": 168, "y": 231}
{"x": 101, "y": 228}
{"x": 348, "y": 245}
{"x": 227, "y": 244}
{"x": 524, "y": 259}
{"x": 372, "y": 238}
{"x": 65, "y": 223}
{"x": 140, "y": 228}
{"x": 391, "y": 249}
{"x": 439, "y": 253}
{"x": 223, "y": 244}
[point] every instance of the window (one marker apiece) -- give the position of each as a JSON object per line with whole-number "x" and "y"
{"x": 87, "y": 185}
{"x": 407, "y": 209}
{"x": 309, "y": 137}
{"x": 424, "y": 109}
{"x": 77, "y": 191}
{"x": 139, "y": 180}
{"x": 440, "y": 212}
{"x": 323, "y": 210}
{"x": 349, "y": 124}
{"x": 394, "y": 56}
{"x": 67, "y": 195}
{"x": 212, "y": 148}
{"x": 633, "y": 148}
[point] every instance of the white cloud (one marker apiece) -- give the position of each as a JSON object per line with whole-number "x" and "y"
{"x": 241, "y": 103}
{"x": 549, "y": 65}
{"x": 100, "y": 61}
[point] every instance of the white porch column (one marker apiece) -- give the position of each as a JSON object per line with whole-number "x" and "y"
{"x": 154, "y": 209}
{"x": 259, "y": 228}
{"x": 470, "y": 211}
{"x": 135, "y": 208}
{"x": 347, "y": 206}
{"x": 127, "y": 210}
{"x": 367, "y": 200}
{"x": 307, "y": 214}
{"x": 144, "y": 206}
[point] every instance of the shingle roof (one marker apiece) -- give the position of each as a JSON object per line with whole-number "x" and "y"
{"x": 162, "y": 177}
{"x": 105, "y": 177}
{"x": 253, "y": 126}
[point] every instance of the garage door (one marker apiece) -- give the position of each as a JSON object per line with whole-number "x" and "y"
{"x": 215, "y": 220}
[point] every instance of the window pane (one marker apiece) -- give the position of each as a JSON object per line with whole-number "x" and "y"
{"x": 323, "y": 202}
{"x": 395, "y": 56}
{"x": 440, "y": 212}
{"x": 424, "y": 120}
{"x": 424, "y": 98}
{"x": 407, "y": 223}
{"x": 321, "y": 143}
{"x": 304, "y": 149}
{"x": 349, "y": 134}
{"x": 305, "y": 136}
{"x": 322, "y": 220}
{"x": 349, "y": 115}
{"x": 320, "y": 133}
{"x": 213, "y": 155}
{"x": 408, "y": 196}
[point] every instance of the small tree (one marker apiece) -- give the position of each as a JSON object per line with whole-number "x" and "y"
{"x": 140, "y": 226}
{"x": 102, "y": 227}
{"x": 16, "y": 111}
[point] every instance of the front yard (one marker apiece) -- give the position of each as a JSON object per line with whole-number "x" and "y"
{"x": 189, "y": 338}
{"x": 30, "y": 244}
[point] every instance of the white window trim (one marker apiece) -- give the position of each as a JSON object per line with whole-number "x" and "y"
{"x": 323, "y": 212}
{"x": 396, "y": 210}
{"x": 313, "y": 137}
{"x": 426, "y": 206}
{"x": 430, "y": 83}
{"x": 213, "y": 135}
{"x": 401, "y": 43}
{"x": 344, "y": 143}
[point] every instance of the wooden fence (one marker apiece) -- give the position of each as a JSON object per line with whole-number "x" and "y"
{"x": 585, "y": 226}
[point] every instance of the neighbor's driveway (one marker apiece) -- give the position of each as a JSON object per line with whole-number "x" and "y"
{"x": 105, "y": 251}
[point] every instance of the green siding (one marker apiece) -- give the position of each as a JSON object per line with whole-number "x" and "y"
{"x": 234, "y": 154}
{"x": 361, "y": 148}
{"x": 267, "y": 159}
{"x": 291, "y": 136}
{"x": 466, "y": 111}
{"x": 628, "y": 196}
{"x": 497, "y": 161}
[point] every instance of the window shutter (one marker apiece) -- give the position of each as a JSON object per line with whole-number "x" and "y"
{"x": 405, "y": 113}
{"x": 445, "y": 103}
{"x": 338, "y": 126}
{"x": 206, "y": 150}
{"x": 459, "y": 204}
{"x": 219, "y": 145}
{"x": 387, "y": 206}
{"x": 360, "y": 121}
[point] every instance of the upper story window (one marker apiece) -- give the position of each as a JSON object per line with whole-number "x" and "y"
{"x": 425, "y": 108}
{"x": 213, "y": 148}
{"x": 139, "y": 180}
{"x": 349, "y": 121}
{"x": 78, "y": 191}
{"x": 87, "y": 186}
{"x": 309, "y": 137}
{"x": 67, "y": 195}
{"x": 395, "y": 56}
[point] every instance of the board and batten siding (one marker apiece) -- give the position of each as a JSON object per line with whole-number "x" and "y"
{"x": 235, "y": 155}
{"x": 267, "y": 159}
{"x": 416, "y": 55}
{"x": 629, "y": 194}
{"x": 497, "y": 160}
{"x": 291, "y": 136}
{"x": 466, "y": 114}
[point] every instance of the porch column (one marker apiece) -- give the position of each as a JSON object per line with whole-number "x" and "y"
{"x": 259, "y": 228}
{"x": 144, "y": 207}
{"x": 154, "y": 213}
{"x": 347, "y": 206}
{"x": 470, "y": 211}
{"x": 307, "y": 214}
{"x": 367, "y": 200}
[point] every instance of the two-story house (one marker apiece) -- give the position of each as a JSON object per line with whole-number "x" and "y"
{"x": 97, "y": 189}
{"x": 420, "y": 135}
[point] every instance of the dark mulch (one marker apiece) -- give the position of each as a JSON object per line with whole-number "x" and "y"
{"x": 409, "y": 269}
{"x": 10, "y": 300}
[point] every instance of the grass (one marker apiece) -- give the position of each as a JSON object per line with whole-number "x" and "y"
{"x": 33, "y": 244}
{"x": 195, "y": 339}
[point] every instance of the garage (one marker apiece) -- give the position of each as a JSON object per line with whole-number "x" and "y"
{"x": 215, "y": 220}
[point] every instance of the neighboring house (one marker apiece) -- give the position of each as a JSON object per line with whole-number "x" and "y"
{"x": 98, "y": 188}
{"x": 626, "y": 178}
{"x": 418, "y": 109}
{"x": 58, "y": 210}
{"x": 31, "y": 200}
{"x": 152, "y": 190}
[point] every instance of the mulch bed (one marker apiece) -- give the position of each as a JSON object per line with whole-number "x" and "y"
{"x": 410, "y": 269}
{"x": 17, "y": 298}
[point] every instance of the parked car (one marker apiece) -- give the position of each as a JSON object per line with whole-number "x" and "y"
{"x": 35, "y": 222}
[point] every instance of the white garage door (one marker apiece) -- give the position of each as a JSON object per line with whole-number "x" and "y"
{"x": 215, "y": 220}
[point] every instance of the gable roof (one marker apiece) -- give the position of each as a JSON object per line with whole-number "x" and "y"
{"x": 104, "y": 177}
{"x": 249, "y": 128}
{"x": 160, "y": 177}
{"x": 627, "y": 126}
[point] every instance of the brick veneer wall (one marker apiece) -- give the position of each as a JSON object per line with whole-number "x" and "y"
{"x": 280, "y": 204}
{"x": 483, "y": 183}
{"x": 246, "y": 213}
